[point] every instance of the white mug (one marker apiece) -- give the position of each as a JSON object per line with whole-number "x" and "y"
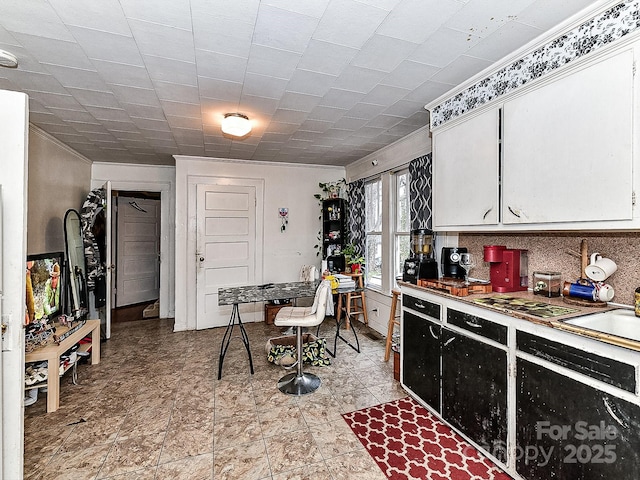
{"x": 604, "y": 292}
{"x": 600, "y": 268}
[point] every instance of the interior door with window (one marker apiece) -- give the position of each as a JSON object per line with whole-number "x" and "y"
{"x": 225, "y": 249}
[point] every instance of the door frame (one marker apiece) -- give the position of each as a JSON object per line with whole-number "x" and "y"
{"x": 190, "y": 257}
{"x": 167, "y": 278}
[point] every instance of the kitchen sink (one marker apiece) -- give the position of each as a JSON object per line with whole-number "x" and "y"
{"x": 620, "y": 322}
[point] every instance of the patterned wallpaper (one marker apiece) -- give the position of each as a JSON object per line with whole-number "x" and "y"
{"x": 420, "y": 174}
{"x": 611, "y": 25}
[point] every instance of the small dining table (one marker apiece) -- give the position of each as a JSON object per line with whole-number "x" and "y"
{"x": 255, "y": 293}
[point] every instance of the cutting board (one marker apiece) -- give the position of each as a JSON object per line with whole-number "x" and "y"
{"x": 455, "y": 286}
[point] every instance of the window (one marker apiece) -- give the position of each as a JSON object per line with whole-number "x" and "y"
{"x": 373, "y": 232}
{"x": 402, "y": 222}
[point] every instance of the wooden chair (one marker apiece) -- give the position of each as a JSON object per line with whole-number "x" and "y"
{"x": 393, "y": 321}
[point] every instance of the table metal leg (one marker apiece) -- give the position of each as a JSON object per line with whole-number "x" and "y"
{"x": 235, "y": 315}
{"x": 340, "y": 319}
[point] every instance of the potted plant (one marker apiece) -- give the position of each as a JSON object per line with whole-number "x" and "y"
{"x": 331, "y": 189}
{"x": 352, "y": 258}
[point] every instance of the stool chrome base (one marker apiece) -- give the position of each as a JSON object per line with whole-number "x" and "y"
{"x": 295, "y": 384}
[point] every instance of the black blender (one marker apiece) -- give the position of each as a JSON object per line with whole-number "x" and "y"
{"x": 422, "y": 263}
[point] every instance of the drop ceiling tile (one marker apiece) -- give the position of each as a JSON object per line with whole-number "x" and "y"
{"x": 326, "y": 57}
{"x": 121, "y": 74}
{"x": 359, "y": 79}
{"x": 192, "y": 150}
{"x": 169, "y": 70}
{"x": 546, "y": 14}
{"x": 187, "y": 136}
{"x": 181, "y": 109}
{"x": 311, "y": 83}
{"x": 72, "y": 115}
{"x": 177, "y": 92}
{"x": 85, "y": 127}
{"x": 26, "y": 62}
{"x": 95, "y": 98}
{"x": 305, "y": 135}
{"x": 176, "y": 13}
{"x": 55, "y": 52}
{"x": 139, "y": 96}
{"x": 429, "y": 90}
{"x": 299, "y": 101}
{"x": 349, "y": 123}
{"x": 54, "y": 100}
{"x": 167, "y": 142}
{"x": 282, "y": 29}
{"x": 365, "y": 110}
{"x": 253, "y": 105}
{"x": 69, "y": 138}
{"x": 383, "y": 53}
{"x": 443, "y": 47}
{"x": 219, "y": 89}
{"x": 415, "y": 20}
{"x": 337, "y": 134}
{"x": 100, "y": 137}
{"x": 409, "y": 75}
{"x": 328, "y": 114}
{"x": 104, "y": 15}
{"x": 385, "y": 95}
{"x": 114, "y": 114}
{"x": 43, "y": 119}
{"x": 7, "y": 40}
{"x": 36, "y": 81}
{"x": 264, "y": 86}
{"x": 220, "y": 66}
{"x": 349, "y": 23}
{"x": 78, "y": 78}
{"x": 20, "y": 17}
{"x": 462, "y": 67}
{"x": 272, "y": 62}
{"x": 290, "y": 116}
{"x": 144, "y": 111}
{"x": 311, "y": 8}
{"x": 481, "y": 20}
{"x": 163, "y": 41}
{"x": 184, "y": 122}
{"x": 385, "y": 121}
{"x": 405, "y": 108}
{"x": 338, "y": 98}
{"x": 152, "y": 128}
{"x": 281, "y": 127}
{"x": 316, "y": 126}
{"x": 134, "y": 136}
{"x": 498, "y": 44}
{"x": 107, "y": 46}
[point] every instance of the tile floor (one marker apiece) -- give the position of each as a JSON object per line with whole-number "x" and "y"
{"x": 154, "y": 409}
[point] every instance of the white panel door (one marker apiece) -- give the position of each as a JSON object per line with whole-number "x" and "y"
{"x": 225, "y": 250}
{"x": 138, "y": 250}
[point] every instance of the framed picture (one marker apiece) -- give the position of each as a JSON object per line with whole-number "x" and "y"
{"x": 45, "y": 292}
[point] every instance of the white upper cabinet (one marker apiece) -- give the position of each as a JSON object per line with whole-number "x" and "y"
{"x": 465, "y": 172}
{"x": 567, "y": 147}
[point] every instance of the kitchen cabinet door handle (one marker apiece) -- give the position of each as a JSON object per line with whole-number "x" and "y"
{"x": 514, "y": 212}
{"x": 449, "y": 341}
{"x": 486, "y": 213}
{"x": 419, "y": 305}
{"x": 473, "y": 325}
{"x": 431, "y": 332}
{"x": 607, "y": 405}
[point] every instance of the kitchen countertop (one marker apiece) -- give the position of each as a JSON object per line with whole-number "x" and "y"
{"x": 553, "y": 322}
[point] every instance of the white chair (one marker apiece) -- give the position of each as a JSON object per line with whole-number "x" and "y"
{"x": 308, "y": 273}
{"x": 300, "y": 383}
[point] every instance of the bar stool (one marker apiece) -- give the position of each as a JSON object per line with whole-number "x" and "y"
{"x": 356, "y": 303}
{"x": 393, "y": 321}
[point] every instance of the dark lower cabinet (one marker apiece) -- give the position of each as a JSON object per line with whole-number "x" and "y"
{"x": 474, "y": 390}
{"x": 567, "y": 430}
{"x": 421, "y": 358}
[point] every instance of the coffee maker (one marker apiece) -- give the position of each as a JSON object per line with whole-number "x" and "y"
{"x": 509, "y": 269}
{"x": 421, "y": 264}
{"x": 450, "y": 258}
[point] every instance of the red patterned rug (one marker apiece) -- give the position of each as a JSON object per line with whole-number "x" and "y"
{"x": 409, "y": 442}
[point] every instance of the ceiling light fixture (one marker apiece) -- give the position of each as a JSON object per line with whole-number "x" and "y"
{"x": 236, "y": 124}
{"x": 8, "y": 60}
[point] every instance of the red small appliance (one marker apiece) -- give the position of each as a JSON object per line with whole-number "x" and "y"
{"x": 509, "y": 268}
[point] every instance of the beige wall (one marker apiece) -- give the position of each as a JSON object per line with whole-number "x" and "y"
{"x": 548, "y": 252}
{"x": 59, "y": 179}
